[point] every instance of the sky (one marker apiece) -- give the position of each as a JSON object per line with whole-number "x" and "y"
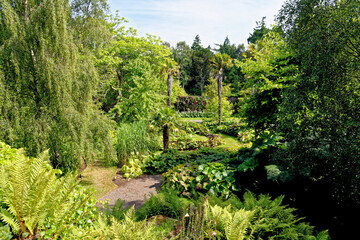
{"x": 181, "y": 20}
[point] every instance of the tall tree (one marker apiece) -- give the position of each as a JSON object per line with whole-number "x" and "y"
{"x": 259, "y": 31}
{"x": 182, "y": 55}
{"x": 269, "y": 72}
{"x": 219, "y": 62}
{"x": 321, "y": 114}
{"x": 200, "y": 67}
{"x": 233, "y": 75}
{"x": 47, "y": 85}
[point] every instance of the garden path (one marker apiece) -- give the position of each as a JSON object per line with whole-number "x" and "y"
{"x": 133, "y": 191}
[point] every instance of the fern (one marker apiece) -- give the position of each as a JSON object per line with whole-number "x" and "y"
{"x": 31, "y": 196}
{"x": 234, "y": 224}
{"x": 129, "y": 229}
{"x": 269, "y": 220}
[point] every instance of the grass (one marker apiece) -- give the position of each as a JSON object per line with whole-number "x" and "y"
{"x": 231, "y": 142}
{"x": 98, "y": 176}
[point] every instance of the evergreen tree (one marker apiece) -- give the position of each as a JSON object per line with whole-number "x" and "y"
{"x": 258, "y": 32}
{"x": 47, "y": 83}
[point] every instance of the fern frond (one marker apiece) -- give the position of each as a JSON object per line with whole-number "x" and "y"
{"x": 9, "y": 219}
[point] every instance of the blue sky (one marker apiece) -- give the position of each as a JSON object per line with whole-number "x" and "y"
{"x": 182, "y": 20}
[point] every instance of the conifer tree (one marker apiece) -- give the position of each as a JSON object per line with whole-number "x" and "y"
{"x": 47, "y": 83}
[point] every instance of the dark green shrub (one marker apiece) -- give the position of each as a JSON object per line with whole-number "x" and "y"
{"x": 160, "y": 163}
{"x": 193, "y": 127}
{"x": 190, "y": 103}
{"x": 269, "y": 219}
{"x": 117, "y": 211}
{"x": 164, "y": 203}
{"x": 214, "y": 178}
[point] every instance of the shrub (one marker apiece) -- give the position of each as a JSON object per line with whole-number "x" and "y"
{"x": 264, "y": 219}
{"x": 193, "y": 127}
{"x": 8, "y": 154}
{"x": 215, "y": 178}
{"x": 190, "y": 103}
{"x": 213, "y": 141}
{"x": 132, "y": 167}
{"x": 160, "y": 163}
{"x": 165, "y": 203}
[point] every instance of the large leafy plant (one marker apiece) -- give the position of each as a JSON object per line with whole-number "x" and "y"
{"x": 259, "y": 217}
{"x": 33, "y": 200}
{"x": 215, "y": 178}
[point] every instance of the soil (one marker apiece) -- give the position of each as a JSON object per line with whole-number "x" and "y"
{"x": 133, "y": 191}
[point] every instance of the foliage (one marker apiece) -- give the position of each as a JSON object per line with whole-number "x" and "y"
{"x": 132, "y": 167}
{"x": 132, "y": 69}
{"x": 199, "y": 68}
{"x": 195, "y": 114}
{"x": 233, "y": 76}
{"x": 194, "y": 222}
{"x": 9, "y": 154}
{"x": 211, "y": 91}
{"x": 166, "y": 118}
{"x": 5, "y": 232}
{"x": 141, "y": 95}
{"x": 34, "y": 201}
{"x": 191, "y": 103}
{"x": 118, "y": 211}
{"x": 47, "y": 83}
{"x": 165, "y": 203}
{"x": 193, "y": 127}
{"x": 130, "y": 229}
{"x": 265, "y": 219}
{"x": 190, "y": 144}
{"x": 319, "y": 118}
{"x": 269, "y": 70}
{"x": 133, "y": 138}
{"x": 215, "y": 178}
{"x": 258, "y": 32}
{"x": 160, "y": 163}
{"x": 231, "y": 224}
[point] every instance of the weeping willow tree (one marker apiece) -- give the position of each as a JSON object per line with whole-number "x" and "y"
{"x": 47, "y": 83}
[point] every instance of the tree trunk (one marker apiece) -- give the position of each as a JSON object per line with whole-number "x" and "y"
{"x": 220, "y": 75}
{"x": 166, "y": 136}
{"x": 169, "y": 86}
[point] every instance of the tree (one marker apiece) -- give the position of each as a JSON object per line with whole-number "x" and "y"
{"x": 182, "y": 55}
{"x": 269, "y": 72}
{"x": 258, "y": 32}
{"x": 165, "y": 118}
{"x": 47, "y": 85}
{"x": 200, "y": 67}
{"x": 89, "y": 21}
{"x": 120, "y": 63}
{"x": 320, "y": 117}
{"x": 169, "y": 70}
{"x": 219, "y": 62}
{"x": 233, "y": 75}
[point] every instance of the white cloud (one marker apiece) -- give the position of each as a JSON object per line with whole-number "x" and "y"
{"x": 182, "y": 20}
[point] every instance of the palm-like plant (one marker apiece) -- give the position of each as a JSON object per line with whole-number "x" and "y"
{"x": 165, "y": 119}
{"x": 219, "y": 62}
{"x": 169, "y": 69}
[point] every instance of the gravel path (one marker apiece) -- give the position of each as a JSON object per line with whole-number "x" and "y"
{"x": 133, "y": 191}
